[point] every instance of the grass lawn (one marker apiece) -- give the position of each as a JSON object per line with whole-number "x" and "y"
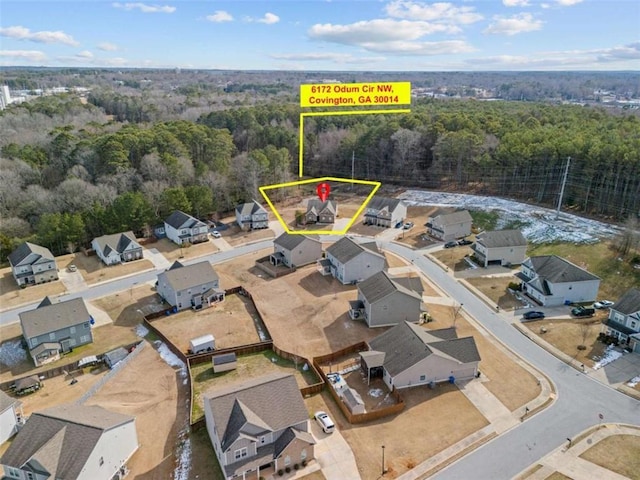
{"x": 204, "y": 463}
{"x": 625, "y": 461}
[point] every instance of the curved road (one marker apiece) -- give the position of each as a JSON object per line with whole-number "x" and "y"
{"x": 580, "y": 399}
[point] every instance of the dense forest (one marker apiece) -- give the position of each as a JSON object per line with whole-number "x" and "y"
{"x": 123, "y": 158}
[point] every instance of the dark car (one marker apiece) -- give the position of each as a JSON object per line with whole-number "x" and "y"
{"x": 583, "y": 311}
{"x": 399, "y": 225}
{"x": 464, "y": 241}
{"x": 532, "y": 315}
{"x": 450, "y": 244}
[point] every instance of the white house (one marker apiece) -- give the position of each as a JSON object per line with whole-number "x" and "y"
{"x": 181, "y": 228}
{"x": 351, "y": 262}
{"x": 624, "y": 320}
{"x": 117, "y": 248}
{"x": 500, "y": 247}
{"x": 552, "y": 281}
{"x": 72, "y": 442}
{"x": 10, "y": 416}
{"x": 450, "y": 226}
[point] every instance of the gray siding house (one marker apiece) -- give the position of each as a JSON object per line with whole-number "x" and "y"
{"x": 351, "y": 262}
{"x": 32, "y": 264}
{"x": 383, "y": 301}
{"x": 384, "y": 212}
{"x": 552, "y": 281}
{"x": 296, "y": 250}
{"x": 501, "y": 247}
{"x": 56, "y": 327}
{"x": 181, "y": 228}
{"x": 450, "y": 226}
{"x": 117, "y": 248}
{"x": 72, "y": 442}
{"x": 10, "y": 416}
{"x": 258, "y": 424}
{"x": 321, "y": 212}
{"x": 624, "y": 320}
{"x": 408, "y": 355}
{"x": 252, "y": 216}
{"x": 192, "y": 286}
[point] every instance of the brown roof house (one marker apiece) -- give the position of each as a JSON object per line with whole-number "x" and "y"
{"x": 32, "y": 264}
{"x": 500, "y": 247}
{"x": 117, "y": 248}
{"x": 56, "y": 327}
{"x": 296, "y": 250}
{"x": 257, "y": 425}
{"x": 408, "y": 355}
{"x": 384, "y": 300}
{"x": 624, "y": 320}
{"x": 72, "y": 442}
{"x": 450, "y": 226}
{"x": 351, "y": 262}
{"x": 193, "y": 286}
{"x": 321, "y": 212}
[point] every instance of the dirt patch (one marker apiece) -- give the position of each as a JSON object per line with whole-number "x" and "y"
{"x": 230, "y": 322}
{"x": 496, "y": 289}
{"x": 567, "y": 335}
{"x": 558, "y": 476}
{"x": 234, "y": 236}
{"x": 11, "y": 295}
{"x": 394, "y": 261}
{"x": 417, "y": 237}
{"x": 454, "y": 257}
{"x": 173, "y": 252}
{"x": 93, "y": 270}
{"x": 625, "y": 461}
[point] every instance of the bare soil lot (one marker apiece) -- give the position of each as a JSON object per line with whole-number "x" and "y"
{"x": 234, "y": 236}
{"x": 626, "y": 460}
{"x": 395, "y": 261}
{"x": 566, "y": 335}
{"x": 93, "y": 270}
{"x": 454, "y": 257}
{"x": 230, "y": 322}
{"x": 11, "y": 295}
{"x": 173, "y": 252}
{"x": 417, "y": 237}
{"x": 496, "y": 289}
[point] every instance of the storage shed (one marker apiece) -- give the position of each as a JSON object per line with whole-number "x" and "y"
{"x": 224, "y": 363}
{"x": 205, "y": 343}
{"x": 27, "y": 385}
{"x": 114, "y": 356}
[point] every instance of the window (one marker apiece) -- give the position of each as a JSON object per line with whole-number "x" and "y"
{"x": 263, "y": 439}
{"x": 241, "y": 453}
{"x": 101, "y": 461}
{"x": 84, "y": 339}
{"x": 34, "y": 342}
{"x": 287, "y": 460}
{"x": 29, "y": 476}
{"x": 14, "y": 472}
{"x": 303, "y": 454}
{"x": 52, "y": 336}
{"x": 179, "y": 294}
{"x": 423, "y": 378}
{"x": 72, "y": 330}
{"x": 86, "y": 325}
{"x": 72, "y": 342}
{"x": 634, "y": 324}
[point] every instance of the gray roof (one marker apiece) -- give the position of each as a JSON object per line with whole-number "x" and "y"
{"x": 411, "y": 283}
{"x": 6, "y": 401}
{"x": 380, "y": 285}
{"x": 180, "y": 219}
{"x": 61, "y": 439}
{"x": 224, "y": 358}
{"x": 250, "y": 208}
{"x": 289, "y": 242}
{"x": 183, "y": 277}
{"x": 116, "y": 355}
{"x": 319, "y": 206}
{"x": 25, "y": 249}
{"x": 49, "y": 318}
{"x": 558, "y": 270}
{"x": 455, "y": 217}
{"x": 629, "y": 302}
{"x": 379, "y": 203}
{"x": 117, "y": 242}
{"x": 271, "y": 403}
{"x": 407, "y": 344}
{"x": 346, "y": 249}
{"x": 502, "y": 238}
{"x": 26, "y": 382}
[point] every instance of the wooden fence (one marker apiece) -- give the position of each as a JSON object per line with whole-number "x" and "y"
{"x": 265, "y": 265}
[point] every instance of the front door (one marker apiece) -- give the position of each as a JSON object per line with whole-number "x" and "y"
{"x": 65, "y": 345}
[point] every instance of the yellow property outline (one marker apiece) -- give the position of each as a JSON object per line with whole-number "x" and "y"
{"x": 376, "y": 186}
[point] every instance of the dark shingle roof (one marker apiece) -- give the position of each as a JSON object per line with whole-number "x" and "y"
{"x": 117, "y": 242}
{"x": 629, "y": 302}
{"x": 49, "y": 318}
{"x": 378, "y": 203}
{"x": 180, "y": 219}
{"x": 320, "y": 206}
{"x": 25, "y": 249}
{"x": 183, "y": 277}
{"x": 289, "y": 242}
{"x": 381, "y": 285}
{"x": 502, "y": 238}
{"x": 346, "y": 249}
{"x": 558, "y": 270}
{"x": 250, "y": 208}
{"x": 271, "y": 403}
{"x": 62, "y": 438}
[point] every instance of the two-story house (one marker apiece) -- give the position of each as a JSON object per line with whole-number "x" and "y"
{"x": 321, "y": 212}
{"x": 252, "y": 216}
{"x": 181, "y": 228}
{"x": 72, "y": 442}
{"x": 296, "y": 250}
{"x": 10, "y": 416}
{"x": 552, "y": 281}
{"x": 32, "y": 264}
{"x": 624, "y": 320}
{"x": 193, "y": 286}
{"x": 351, "y": 262}
{"x": 117, "y": 248}
{"x": 450, "y": 226}
{"x": 384, "y": 212}
{"x": 53, "y": 328}
{"x": 258, "y": 424}
{"x": 500, "y": 247}
{"x": 383, "y": 300}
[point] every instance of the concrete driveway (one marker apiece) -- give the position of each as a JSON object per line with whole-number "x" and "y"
{"x": 619, "y": 371}
{"x": 334, "y": 455}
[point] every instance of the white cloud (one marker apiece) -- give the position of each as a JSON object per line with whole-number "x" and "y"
{"x": 446, "y": 47}
{"x": 107, "y": 47}
{"x": 85, "y": 54}
{"x": 516, "y": 3}
{"x": 31, "y": 55}
{"x": 341, "y": 58}
{"x": 568, "y": 3}
{"x": 220, "y": 16}
{"x": 441, "y": 12}
{"x": 376, "y": 31}
{"x": 144, "y": 8}
{"x": 523, "y": 22}
{"x": 269, "y": 18}
{"x": 23, "y": 33}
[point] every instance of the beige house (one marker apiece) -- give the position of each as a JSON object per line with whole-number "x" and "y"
{"x": 501, "y": 247}
{"x": 450, "y": 226}
{"x": 295, "y": 250}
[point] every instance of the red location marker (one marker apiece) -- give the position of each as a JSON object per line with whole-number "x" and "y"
{"x": 323, "y": 189}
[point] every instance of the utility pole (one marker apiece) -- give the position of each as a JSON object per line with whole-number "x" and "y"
{"x": 564, "y": 182}
{"x": 353, "y": 164}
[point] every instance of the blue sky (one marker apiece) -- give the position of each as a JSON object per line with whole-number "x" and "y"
{"x": 398, "y": 35}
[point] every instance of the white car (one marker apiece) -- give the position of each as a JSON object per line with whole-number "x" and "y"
{"x": 603, "y": 304}
{"x": 324, "y": 421}
{"x": 216, "y": 234}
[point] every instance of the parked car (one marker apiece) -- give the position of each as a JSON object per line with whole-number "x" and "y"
{"x": 464, "y": 241}
{"x": 324, "y": 421}
{"x": 215, "y": 234}
{"x": 407, "y": 225}
{"x": 72, "y": 268}
{"x": 603, "y": 304}
{"x": 399, "y": 225}
{"x": 532, "y": 315}
{"x": 583, "y": 311}
{"x": 450, "y": 244}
